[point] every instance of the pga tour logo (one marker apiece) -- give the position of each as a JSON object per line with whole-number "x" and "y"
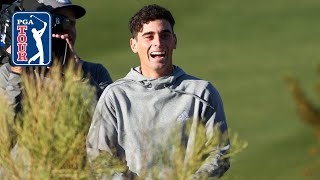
{"x": 31, "y": 38}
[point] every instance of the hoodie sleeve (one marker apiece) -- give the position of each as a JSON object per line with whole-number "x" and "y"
{"x": 102, "y": 134}
{"x": 10, "y": 84}
{"x": 14, "y": 91}
{"x": 215, "y": 116}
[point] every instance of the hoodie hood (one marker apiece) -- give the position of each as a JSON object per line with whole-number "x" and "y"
{"x": 152, "y": 83}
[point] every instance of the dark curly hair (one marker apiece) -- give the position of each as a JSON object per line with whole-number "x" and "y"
{"x": 149, "y": 13}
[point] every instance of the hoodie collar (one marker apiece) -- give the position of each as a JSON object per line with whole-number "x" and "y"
{"x": 152, "y": 83}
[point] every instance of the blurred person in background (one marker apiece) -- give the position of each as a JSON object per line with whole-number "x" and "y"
{"x": 63, "y": 50}
{"x": 63, "y": 53}
{"x": 136, "y": 114}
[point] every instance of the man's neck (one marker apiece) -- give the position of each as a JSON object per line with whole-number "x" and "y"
{"x": 157, "y": 74}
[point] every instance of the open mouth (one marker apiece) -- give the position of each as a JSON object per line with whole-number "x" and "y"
{"x": 157, "y": 54}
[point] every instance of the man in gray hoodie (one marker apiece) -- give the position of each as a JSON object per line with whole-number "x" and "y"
{"x": 135, "y": 115}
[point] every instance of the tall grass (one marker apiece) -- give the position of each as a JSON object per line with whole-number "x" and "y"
{"x": 51, "y": 128}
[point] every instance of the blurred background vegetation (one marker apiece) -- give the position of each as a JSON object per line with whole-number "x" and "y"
{"x": 245, "y": 48}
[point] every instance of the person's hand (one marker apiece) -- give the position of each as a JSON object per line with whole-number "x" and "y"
{"x": 16, "y": 69}
{"x": 70, "y": 44}
{"x": 60, "y": 36}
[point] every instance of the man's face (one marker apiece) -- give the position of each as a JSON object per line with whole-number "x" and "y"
{"x": 72, "y": 33}
{"x": 154, "y": 45}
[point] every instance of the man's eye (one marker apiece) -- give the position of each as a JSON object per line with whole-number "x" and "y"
{"x": 166, "y": 36}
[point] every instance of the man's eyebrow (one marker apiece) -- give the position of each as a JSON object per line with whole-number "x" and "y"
{"x": 151, "y": 32}
{"x": 166, "y": 31}
{"x": 147, "y": 33}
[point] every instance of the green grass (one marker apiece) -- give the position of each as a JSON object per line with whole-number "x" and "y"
{"x": 245, "y": 48}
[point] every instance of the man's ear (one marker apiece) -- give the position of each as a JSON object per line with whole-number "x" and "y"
{"x": 133, "y": 45}
{"x": 175, "y": 41}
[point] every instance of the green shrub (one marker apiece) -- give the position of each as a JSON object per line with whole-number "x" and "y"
{"x": 51, "y": 129}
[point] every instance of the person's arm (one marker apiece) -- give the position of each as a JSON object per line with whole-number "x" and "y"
{"x": 4, "y": 75}
{"x": 104, "y": 77}
{"x": 103, "y": 137}
{"x": 10, "y": 84}
{"x": 101, "y": 78}
{"x": 98, "y": 75}
{"x": 13, "y": 89}
{"x": 217, "y": 165}
{"x": 102, "y": 134}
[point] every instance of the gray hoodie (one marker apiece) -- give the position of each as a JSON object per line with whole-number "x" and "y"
{"x": 136, "y": 114}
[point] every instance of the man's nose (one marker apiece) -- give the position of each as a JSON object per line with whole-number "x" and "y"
{"x": 158, "y": 41}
